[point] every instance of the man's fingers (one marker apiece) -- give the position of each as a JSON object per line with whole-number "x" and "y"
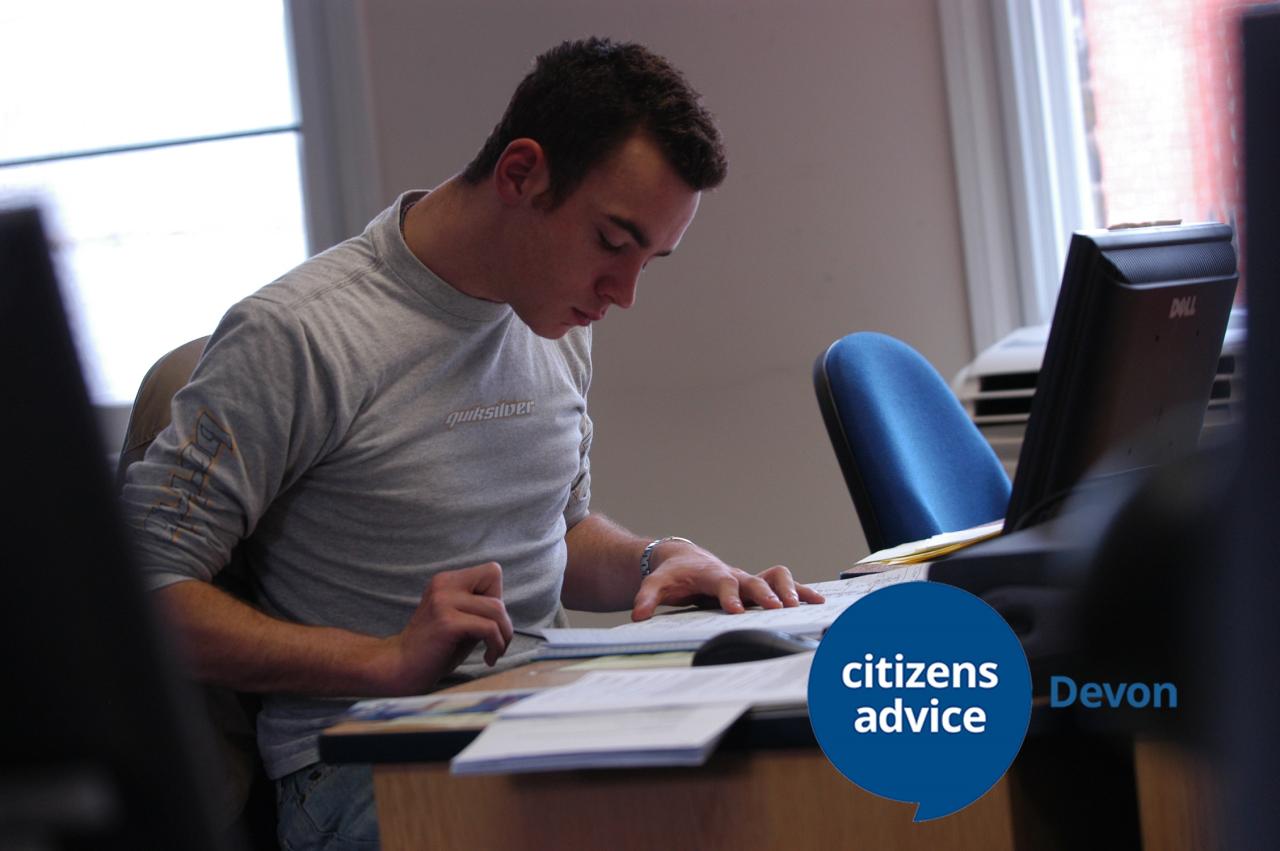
{"x": 646, "y": 602}
{"x": 730, "y": 595}
{"x": 477, "y": 593}
{"x": 469, "y": 627}
{"x": 779, "y": 578}
{"x": 791, "y": 592}
{"x": 808, "y": 595}
{"x": 489, "y": 608}
{"x": 732, "y": 588}
{"x": 483, "y": 578}
{"x": 495, "y": 643}
{"x": 756, "y": 590}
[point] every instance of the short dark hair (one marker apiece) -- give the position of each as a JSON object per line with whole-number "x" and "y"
{"x": 583, "y": 99}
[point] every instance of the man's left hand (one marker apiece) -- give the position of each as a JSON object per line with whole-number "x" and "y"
{"x": 691, "y": 574}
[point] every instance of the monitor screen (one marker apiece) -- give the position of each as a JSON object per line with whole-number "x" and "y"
{"x": 100, "y": 748}
{"x": 1130, "y": 360}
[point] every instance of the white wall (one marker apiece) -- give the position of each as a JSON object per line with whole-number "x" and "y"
{"x": 839, "y": 214}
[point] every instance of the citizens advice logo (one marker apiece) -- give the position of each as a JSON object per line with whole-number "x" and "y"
{"x": 484, "y": 413}
{"x": 921, "y": 692}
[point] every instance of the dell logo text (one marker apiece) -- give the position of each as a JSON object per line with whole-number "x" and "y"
{"x": 1180, "y": 307}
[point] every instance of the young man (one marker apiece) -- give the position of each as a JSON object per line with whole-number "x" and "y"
{"x": 395, "y": 433}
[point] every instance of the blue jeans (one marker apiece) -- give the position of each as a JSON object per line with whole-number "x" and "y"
{"x": 326, "y": 807}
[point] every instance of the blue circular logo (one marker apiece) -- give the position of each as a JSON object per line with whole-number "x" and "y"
{"x": 921, "y": 692}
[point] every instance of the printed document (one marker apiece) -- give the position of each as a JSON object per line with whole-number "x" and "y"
{"x": 683, "y": 735}
{"x": 686, "y": 630}
{"x": 770, "y": 683}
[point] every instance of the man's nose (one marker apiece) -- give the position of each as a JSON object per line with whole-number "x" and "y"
{"x": 620, "y": 289}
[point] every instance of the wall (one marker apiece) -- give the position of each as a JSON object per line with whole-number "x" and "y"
{"x": 839, "y": 214}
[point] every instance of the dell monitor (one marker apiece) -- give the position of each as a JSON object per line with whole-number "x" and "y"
{"x": 1130, "y": 361}
{"x": 100, "y": 746}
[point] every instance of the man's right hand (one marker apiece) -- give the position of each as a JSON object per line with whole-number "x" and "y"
{"x": 230, "y": 643}
{"x": 459, "y": 609}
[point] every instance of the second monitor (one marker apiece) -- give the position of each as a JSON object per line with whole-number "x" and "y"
{"x": 1130, "y": 361}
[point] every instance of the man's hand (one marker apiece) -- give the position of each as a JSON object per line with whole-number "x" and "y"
{"x": 691, "y": 574}
{"x": 458, "y": 610}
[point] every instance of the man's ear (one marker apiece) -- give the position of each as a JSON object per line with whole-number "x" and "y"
{"x": 522, "y": 174}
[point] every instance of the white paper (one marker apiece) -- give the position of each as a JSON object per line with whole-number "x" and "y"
{"x": 699, "y": 625}
{"x": 773, "y": 682}
{"x": 620, "y": 635}
{"x": 666, "y": 736}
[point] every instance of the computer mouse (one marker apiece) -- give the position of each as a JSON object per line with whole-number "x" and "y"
{"x": 750, "y": 645}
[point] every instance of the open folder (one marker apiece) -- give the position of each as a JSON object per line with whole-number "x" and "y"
{"x": 687, "y": 629}
{"x": 929, "y": 549}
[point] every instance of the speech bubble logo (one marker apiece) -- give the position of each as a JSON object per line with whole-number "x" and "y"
{"x": 921, "y": 692}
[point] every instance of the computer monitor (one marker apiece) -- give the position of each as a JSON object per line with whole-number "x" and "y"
{"x": 1249, "y": 652}
{"x": 1130, "y": 360}
{"x": 100, "y": 748}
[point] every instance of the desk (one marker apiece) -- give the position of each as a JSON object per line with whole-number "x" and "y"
{"x": 750, "y": 795}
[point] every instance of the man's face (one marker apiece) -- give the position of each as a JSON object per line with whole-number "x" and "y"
{"x": 585, "y": 256}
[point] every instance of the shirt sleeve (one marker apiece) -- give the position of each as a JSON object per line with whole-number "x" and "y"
{"x": 579, "y": 505}
{"x": 255, "y": 416}
{"x": 578, "y": 356}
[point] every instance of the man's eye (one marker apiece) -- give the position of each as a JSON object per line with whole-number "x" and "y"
{"x": 609, "y": 246}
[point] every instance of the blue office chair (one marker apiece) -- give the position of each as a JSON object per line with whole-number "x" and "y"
{"x": 914, "y": 462}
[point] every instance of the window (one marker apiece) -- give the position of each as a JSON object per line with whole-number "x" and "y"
{"x": 162, "y": 141}
{"x": 1069, "y": 114}
{"x": 1162, "y": 83}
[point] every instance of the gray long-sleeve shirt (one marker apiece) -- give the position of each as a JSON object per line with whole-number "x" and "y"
{"x": 360, "y": 425}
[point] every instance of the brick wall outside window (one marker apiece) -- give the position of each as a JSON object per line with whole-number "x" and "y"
{"x": 1162, "y": 108}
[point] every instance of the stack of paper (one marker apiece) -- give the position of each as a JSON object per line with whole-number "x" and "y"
{"x": 686, "y": 630}
{"x": 679, "y": 735}
{"x": 632, "y": 718}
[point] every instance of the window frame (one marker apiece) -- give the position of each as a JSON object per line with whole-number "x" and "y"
{"x": 341, "y": 174}
{"x": 1021, "y": 159}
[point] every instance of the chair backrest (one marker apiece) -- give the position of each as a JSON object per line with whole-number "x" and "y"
{"x": 151, "y": 410}
{"x": 245, "y": 803}
{"x": 915, "y": 464}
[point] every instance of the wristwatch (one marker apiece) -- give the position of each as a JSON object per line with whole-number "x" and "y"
{"x": 645, "y": 569}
